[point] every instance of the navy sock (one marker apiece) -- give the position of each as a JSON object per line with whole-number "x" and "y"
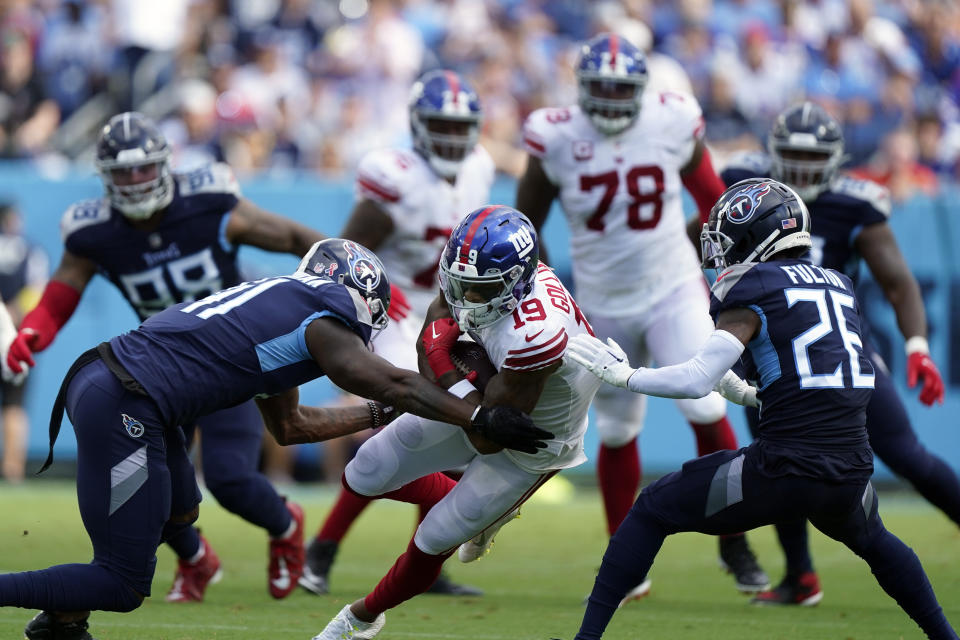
{"x": 793, "y": 539}
{"x": 185, "y": 542}
{"x": 900, "y": 574}
{"x": 68, "y": 587}
{"x": 253, "y": 498}
{"x": 625, "y": 564}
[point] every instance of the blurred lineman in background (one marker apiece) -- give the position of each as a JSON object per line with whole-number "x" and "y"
{"x": 795, "y": 328}
{"x": 127, "y": 398}
{"x": 162, "y": 238}
{"x": 617, "y": 162}
{"x": 407, "y": 203}
{"x": 849, "y": 222}
{"x": 23, "y": 273}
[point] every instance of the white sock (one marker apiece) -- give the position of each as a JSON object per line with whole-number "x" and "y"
{"x": 289, "y": 531}
{"x": 198, "y": 556}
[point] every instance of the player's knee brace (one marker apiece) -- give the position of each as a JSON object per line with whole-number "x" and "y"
{"x": 371, "y": 470}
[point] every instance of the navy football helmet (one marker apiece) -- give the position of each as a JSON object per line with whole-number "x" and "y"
{"x": 444, "y": 119}
{"x": 488, "y": 265}
{"x": 806, "y": 149}
{"x": 132, "y": 140}
{"x": 611, "y": 75}
{"x": 353, "y": 265}
{"x": 754, "y": 219}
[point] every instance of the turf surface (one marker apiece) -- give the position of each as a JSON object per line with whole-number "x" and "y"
{"x": 541, "y": 568}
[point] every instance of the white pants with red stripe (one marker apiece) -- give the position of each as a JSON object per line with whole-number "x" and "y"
{"x": 411, "y": 447}
{"x": 670, "y": 333}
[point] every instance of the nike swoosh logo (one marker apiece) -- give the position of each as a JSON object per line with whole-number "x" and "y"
{"x": 434, "y": 330}
{"x": 533, "y": 337}
{"x": 283, "y": 582}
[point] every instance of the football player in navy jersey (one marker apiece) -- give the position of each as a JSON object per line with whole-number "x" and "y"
{"x": 162, "y": 238}
{"x": 796, "y": 329}
{"x": 127, "y": 397}
{"x": 849, "y": 222}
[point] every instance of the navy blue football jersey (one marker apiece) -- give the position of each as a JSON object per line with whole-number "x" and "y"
{"x": 185, "y": 258}
{"x": 836, "y": 216}
{"x": 813, "y": 379}
{"x": 248, "y": 340}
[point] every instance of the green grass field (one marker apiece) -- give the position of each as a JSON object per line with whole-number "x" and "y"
{"x": 541, "y": 568}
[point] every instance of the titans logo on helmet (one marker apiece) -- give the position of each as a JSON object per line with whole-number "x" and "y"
{"x": 745, "y": 203}
{"x": 363, "y": 270}
{"x": 134, "y": 427}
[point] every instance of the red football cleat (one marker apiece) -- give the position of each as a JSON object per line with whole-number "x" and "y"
{"x": 287, "y": 557}
{"x": 191, "y": 580}
{"x": 803, "y": 590}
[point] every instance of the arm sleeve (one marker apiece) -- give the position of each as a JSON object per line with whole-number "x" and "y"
{"x": 694, "y": 378}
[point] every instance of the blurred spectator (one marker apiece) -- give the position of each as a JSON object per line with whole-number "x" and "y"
{"x": 27, "y": 117}
{"x": 727, "y": 129}
{"x": 896, "y": 167}
{"x": 23, "y": 274}
{"x": 193, "y": 132}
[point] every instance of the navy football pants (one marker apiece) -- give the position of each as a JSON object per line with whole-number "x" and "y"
{"x": 133, "y": 474}
{"x": 723, "y": 493}
{"x": 893, "y": 441}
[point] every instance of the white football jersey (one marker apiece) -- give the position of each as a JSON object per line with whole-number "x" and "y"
{"x": 424, "y": 208}
{"x": 622, "y": 198}
{"x": 533, "y": 337}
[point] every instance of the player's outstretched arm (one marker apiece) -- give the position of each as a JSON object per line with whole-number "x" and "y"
{"x": 292, "y": 423}
{"x": 694, "y": 378}
{"x": 350, "y": 365}
{"x": 535, "y": 194}
{"x": 877, "y": 245}
{"x": 249, "y": 224}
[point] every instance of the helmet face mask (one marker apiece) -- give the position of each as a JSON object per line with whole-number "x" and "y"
{"x": 129, "y": 146}
{"x": 353, "y": 265}
{"x": 444, "y": 120}
{"x": 611, "y": 76}
{"x": 806, "y": 149}
{"x": 488, "y": 266}
{"x": 752, "y": 221}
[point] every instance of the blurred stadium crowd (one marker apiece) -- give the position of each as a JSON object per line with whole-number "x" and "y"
{"x": 274, "y": 85}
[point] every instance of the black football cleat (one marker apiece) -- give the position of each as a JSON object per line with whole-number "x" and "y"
{"x": 45, "y": 626}
{"x": 444, "y": 586}
{"x": 737, "y": 558}
{"x": 316, "y": 571}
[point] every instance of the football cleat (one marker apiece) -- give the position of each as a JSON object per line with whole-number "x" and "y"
{"x": 286, "y": 557}
{"x": 638, "y": 592}
{"x": 444, "y": 586}
{"x": 480, "y": 545}
{"x": 320, "y": 555}
{"x": 191, "y": 579}
{"x": 45, "y": 626}
{"x": 737, "y": 558}
{"x": 802, "y": 590}
{"x": 346, "y": 626}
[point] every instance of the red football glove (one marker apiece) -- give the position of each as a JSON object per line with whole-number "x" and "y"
{"x": 920, "y": 366}
{"x": 22, "y": 349}
{"x": 438, "y": 338}
{"x": 399, "y": 305}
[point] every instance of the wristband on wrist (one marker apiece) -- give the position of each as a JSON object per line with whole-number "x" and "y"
{"x": 917, "y": 344}
{"x": 376, "y": 415}
{"x": 462, "y": 388}
{"x": 474, "y": 416}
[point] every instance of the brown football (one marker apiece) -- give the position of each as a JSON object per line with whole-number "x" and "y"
{"x": 469, "y": 356}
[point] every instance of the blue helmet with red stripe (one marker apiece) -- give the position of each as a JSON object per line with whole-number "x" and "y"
{"x": 444, "y": 120}
{"x": 488, "y": 265}
{"x": 611, "y": 75}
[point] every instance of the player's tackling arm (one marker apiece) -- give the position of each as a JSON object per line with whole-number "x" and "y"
{"x": 292, "y": 423}
{"x": 249, "y": 224}
{"x": 535, "y": 194}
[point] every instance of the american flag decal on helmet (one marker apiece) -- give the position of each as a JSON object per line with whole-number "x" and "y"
{"x": 789, "y": 223}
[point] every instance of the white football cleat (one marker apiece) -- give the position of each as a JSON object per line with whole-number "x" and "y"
{"x": 480, "y": 545}
{"x": 636, "y": 593}
{"x": 346, "y": 626}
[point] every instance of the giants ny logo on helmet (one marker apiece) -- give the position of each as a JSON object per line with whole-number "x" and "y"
{"x": 745, "y": 204}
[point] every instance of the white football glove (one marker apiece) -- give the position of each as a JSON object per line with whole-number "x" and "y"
{"x": 736, "y": 390}
{"x": 606, "y": 361}
{"x": 7, "y": 334}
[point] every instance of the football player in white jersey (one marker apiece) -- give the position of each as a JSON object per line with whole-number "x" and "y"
{"x": 495, "y": 289}
{"x": 407, "y": 203}
{"x": 617, "y": 162}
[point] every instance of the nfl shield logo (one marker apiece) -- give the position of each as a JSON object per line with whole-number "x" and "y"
{"x": 582, "y": 150}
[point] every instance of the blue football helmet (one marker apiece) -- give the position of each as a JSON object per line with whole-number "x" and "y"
{"x": 806, "y": 149}
{"x": 444, "y": 120}
{"x": 611, "y": 75}
{"x": 488, "y": 265}
{"x": 753, "y": 220}
{"x": 353, "y": 265}
{"x": 131, "y": 140}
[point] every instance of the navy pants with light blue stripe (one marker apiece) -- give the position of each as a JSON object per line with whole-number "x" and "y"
{"x": 133, "y": 474}
{"x": 724, "y": 493}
